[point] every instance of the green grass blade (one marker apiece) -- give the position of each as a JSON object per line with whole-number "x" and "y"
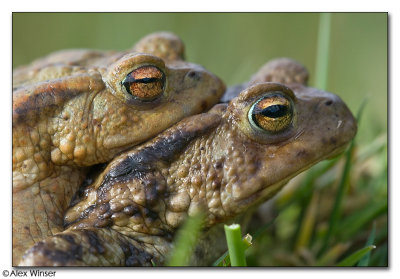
{"x": 303, "y": 238}
{"x": 365, "y": 260}
{"x": 321, "y": 69}
{"x": 356, "y": 256}
{"x": 334, "y": 252}
{"x": 354, "y": 223}
{"x": 185, "y": 241}
{"x": 380, "y": 255}
{"x": 338, "y": 201}
{"x": 263, "y": 228}
{"x": 235, "y": 245}
{"x": 225, "y": 260}
{"x": 336, "y": 211}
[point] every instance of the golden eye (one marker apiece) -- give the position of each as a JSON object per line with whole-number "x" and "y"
{"x": 272, "y": 113}
{"x": 145, "y": 83}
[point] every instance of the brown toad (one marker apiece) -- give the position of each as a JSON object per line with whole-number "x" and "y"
{"x": 77, "y": 108}
{"x": 280, "y": 70}
{"x": 220, "y": 163}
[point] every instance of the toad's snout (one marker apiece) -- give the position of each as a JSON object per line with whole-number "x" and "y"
{"x": 342, "y": 120}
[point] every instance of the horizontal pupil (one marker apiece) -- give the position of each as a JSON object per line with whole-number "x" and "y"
{"x": 275, "y": 111}
{"x": 129, "y": 80}
{"x": 146, "y": 80}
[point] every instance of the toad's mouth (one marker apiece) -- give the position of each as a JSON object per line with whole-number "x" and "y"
{"x": 268, "y": 191}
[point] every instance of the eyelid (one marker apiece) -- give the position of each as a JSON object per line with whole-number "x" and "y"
{"x": 252, "y": 93}
{"x": 130, "y": 78}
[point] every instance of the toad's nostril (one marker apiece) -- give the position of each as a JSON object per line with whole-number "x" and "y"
{"x": 194, "y": 75}
{"x": 328, "y": 103}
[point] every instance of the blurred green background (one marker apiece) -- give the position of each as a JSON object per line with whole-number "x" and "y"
{"x": 233, "y": 46}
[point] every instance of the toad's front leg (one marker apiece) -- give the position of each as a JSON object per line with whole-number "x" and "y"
{"x": 92, "y": 247}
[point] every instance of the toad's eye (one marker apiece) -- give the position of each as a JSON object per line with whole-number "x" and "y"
{"x": 272, "y": 113}
{"x": 145, "y": 83}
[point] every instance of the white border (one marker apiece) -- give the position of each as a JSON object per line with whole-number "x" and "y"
{"x": 7, "y": 7}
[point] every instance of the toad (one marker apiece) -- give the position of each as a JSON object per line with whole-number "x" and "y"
{"x": 220, "y": 163}
{"x": 282, "y": 70}
{"x": 78, "y": 108}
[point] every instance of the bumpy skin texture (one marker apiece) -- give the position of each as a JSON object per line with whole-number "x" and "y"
{"x": 217, "y": 162}
{"x": 71, "y": 111}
